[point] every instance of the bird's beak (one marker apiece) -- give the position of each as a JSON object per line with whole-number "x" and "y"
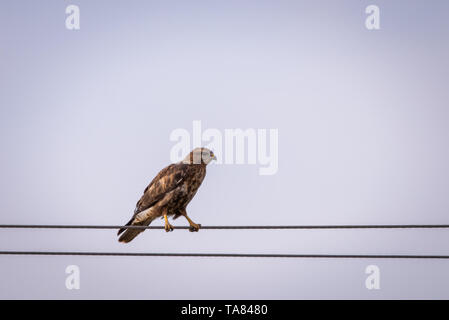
{"x": 214, "y": 157}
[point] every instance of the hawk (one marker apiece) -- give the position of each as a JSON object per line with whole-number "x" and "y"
{"x": 169, "y": 193}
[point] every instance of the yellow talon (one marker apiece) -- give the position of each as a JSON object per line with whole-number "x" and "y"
{"x": 194, "y": 227}
{"x": 168, "y": 227}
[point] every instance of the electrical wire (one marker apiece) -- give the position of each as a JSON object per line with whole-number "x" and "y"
{"x": 224, "y": 255}
{"x": 280, "y": 227}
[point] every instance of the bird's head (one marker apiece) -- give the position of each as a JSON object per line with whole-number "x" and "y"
{"x": 200, "y": 156}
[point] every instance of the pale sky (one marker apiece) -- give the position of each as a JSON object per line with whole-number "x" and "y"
{"x": 362, "y": 116}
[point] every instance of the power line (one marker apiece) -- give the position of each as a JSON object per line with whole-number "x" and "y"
{"x": 225, "y": 255}
{"x": 378, "y": 226}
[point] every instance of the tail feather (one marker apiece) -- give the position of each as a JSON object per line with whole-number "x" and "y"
{"x": 143, "y": 218}
{"x": 128, "y": 224}
{"x": 130, "y": 234}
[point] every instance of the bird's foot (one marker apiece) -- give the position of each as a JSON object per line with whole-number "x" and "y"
{"x": 168, "y": 227}
{"x": 194, "y": 227}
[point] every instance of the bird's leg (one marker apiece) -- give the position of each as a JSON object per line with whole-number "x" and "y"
{"x": 168, "y": 226}
{"x": 193, "y": 226}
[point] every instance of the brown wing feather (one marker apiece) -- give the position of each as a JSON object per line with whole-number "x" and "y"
{"x": 165, "y": 181}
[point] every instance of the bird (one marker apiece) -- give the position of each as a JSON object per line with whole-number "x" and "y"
{"x": 169, "y": 193}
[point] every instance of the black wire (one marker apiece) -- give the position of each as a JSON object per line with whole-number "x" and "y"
{"x": 379, "y": 226}
{"x": 225, "y": 255}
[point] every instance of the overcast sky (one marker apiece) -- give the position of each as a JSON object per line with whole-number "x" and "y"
{"x": 362, "y": 116}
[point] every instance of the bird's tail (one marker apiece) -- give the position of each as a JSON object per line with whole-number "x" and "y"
{"x": 129, "y": 234}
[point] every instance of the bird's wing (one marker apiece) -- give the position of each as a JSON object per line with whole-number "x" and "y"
{"x": 166, "y": 181}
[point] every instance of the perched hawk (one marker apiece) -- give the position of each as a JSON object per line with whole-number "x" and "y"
{"x": 169, "y": 193}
